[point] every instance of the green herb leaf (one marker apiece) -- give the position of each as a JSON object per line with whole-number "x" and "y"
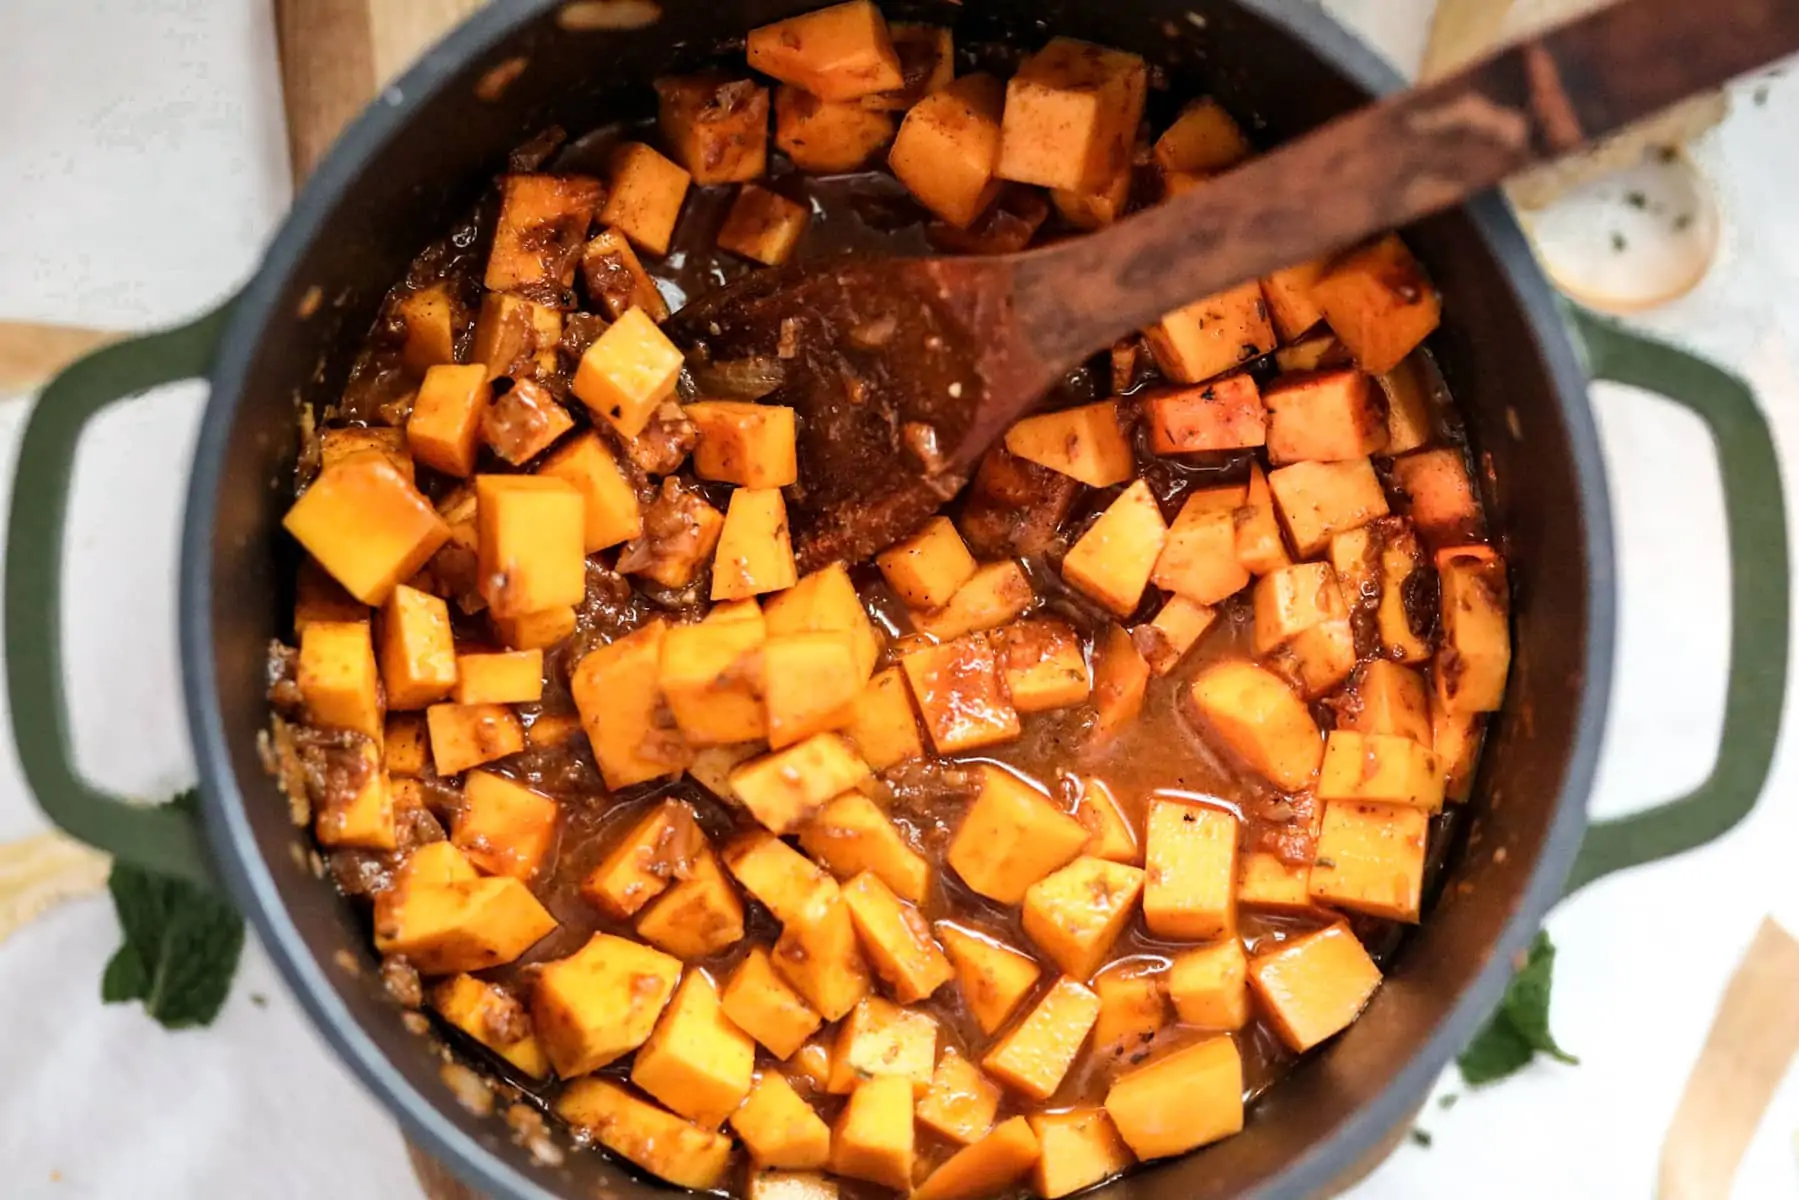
{"x": 1497, "y": 1051}
{"x": 1421, "y": 1137}
{"x": 182, "y": 945}
{"x": 1520, "y": 1029}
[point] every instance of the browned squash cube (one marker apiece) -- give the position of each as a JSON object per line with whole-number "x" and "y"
{"x": 406, "y": 746}
{"x": 763, "y": 225}
{"x": 1225, "y": 414}
{"x": 1110, "y": 832}
{"x": 1404, "y": 572}
{"x": 1379, "y": 303}
{"x": 617, "y": 690}
{"x": 989, "y": 598}
{"x": 429, "y": 319}
{"x": 1290, "y": 303}
{"x": 783, "y": 789}
{"x": 1010, "y": 837}
{"x": 897, "y": 942}
{"x": 763, "y": 1006}
{"x": 318, "y": 597}
{"x": 1203, "y": 139}
{"x": 549, "y": 730}
{"x": 781, "y": 1130}
{"x": 1476, "y": 655}
{"x": 994, "y": 977}
{"x": 817, "y": 953}
{"x": 711, "y": 676}
{"x": 1371, "y": 859}
{"x": 494, "y": 1017}
{"x": 335, "y": 445}
{"x": 515, "y": 336}
{"x": 1259, "y": 543}
{"x": 1133, "y": 1008}
{"x": 1044, "y": 664}
{"x": 1456, "y": 739}
{"x": 627, "y": 372}
{"x": 417, "y": 649}
{"x": 884, "y": 725}
{"x": 1386, "y": 697}
{"x": 1098, "y": 208}
{"x": 986, "y": 1168}
{"x": 467, "y": 735}
{"x": 1176, "y": 629}
{"x": 1258, "y": 717}
{"x": 682, "y": 535}
{"x": 363, "y": 818}
{"x": 524, "y": 422}
{"x": 755, "y": 552}
{"x": 610, "y": 510}
{"x": 366, "y": 525}
{"x": 444, "y": 430}
{"x": 1085, "y": 443}
{"x": 1071, "y": 115}
{"x": 851, "y": 835}
{"x": 926, "y": 569}
{"x": 697, "y": 1061}
{"x": 659, "y": 1142}
{"x": 1410, "y": 400}
{"x": 1210, "y": 987}
{"x": 947, "y": 148}
{"x": 1111, "y": 563}
{"x": 836, "y": 53}
{"x": 825, "y": 137}
{"x": 616, "y": 280}
{"x": 1199, "y": 560}
{"x": 751, "y": 445}
{"x": 960, "y": 695}
{"x": 1180, "y": 1101}
{"x": 1190, "y": 854}
{"x": 1034, "y": 1056}
{"x": 505, "y": 828}
{"x": 542, "y": 224}
{"x": 1313, "y": 353}
{"x": 1013, "y": 506}
{"x": 1314, "y": 986}
{"x": 1005, "y": 227}
{"x": 1077, "y": 1148}
{"x": 716, "y": 125}
{"x": 532, "y": 531}
{"x": 1075, "y": 915}
{"x": 601, "y": 1002}
{"x": 1328, "y": 416}
{"x": 873, "y": 1138}
{"x": 960, "y": 1102}
{"x": 1318, "y": 500}
{"x": 1120, "y": 680}
{"x": 647, "y": 191}
{"x": 1435, "y": 492}
{"x": 1210, "y": 336}
{"x": 1380, "y": 767}
{"x": 1293, "y": 599}
{"x": 653, "y": 851}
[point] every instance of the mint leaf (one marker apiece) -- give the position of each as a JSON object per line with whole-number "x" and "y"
{"x": 1497, "y": 1051}
{"x": 1519, "y": 1031}
{"x": 182, "y": 944}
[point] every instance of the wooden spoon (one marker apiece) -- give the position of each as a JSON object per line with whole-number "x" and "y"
{"x": 905, "y": 371}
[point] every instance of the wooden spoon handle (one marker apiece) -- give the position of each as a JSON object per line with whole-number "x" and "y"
{"x": 1414, "y": 154}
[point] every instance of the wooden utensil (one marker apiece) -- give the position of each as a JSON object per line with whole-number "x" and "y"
{"x": 906, "y": 371}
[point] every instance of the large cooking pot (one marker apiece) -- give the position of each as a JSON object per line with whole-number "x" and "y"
{"x": 434, "y": 141}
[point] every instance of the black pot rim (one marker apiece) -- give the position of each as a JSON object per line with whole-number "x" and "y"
{"x": 253, "y": 886}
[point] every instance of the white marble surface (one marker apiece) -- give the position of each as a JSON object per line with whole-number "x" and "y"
{"x": 140, "y": 151}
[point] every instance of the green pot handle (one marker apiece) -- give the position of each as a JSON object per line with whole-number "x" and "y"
{"x": 1755, "y": 516}
{"x": 154, "y": 836}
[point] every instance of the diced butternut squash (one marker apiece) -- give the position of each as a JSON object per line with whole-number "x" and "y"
{"x": 1388, "y": 698}
{"x": 1110, "y": 834}
{"x": 1325, "y": 416}
{"x": 1259, "y": 544}
{"x": 661, "y": 1143}
{"x": 763, "y": 225}
{"x": 507, "y": 677}
{"x": 646, "y": 196}
{"x": 1120, "y": 682}
{"x": 531, "y": 531}
{"x": 763, "y": 1006}
{"x": 366, "y": 525}
{"x": 1225, "y": 414}
{"x": 1204, "y": 138}
{"x": 1409, "y": 388}
{"x": 549, "y": 730}
{"x": 1133, "y": 1008}
{"x": 406, "y": 746}
{"x": 1318, "y": 500}
{"x": 1180, "y": 1101}
{"x": 696, "y": 1061}
{"x": 826, "y": 137}
{"x": 824, "y": 602}
{"x": 1380, "y": 303}
{"x": 616, "y": 280}
{"x": 543, "y": 222}
{"x": 1293, "y": 599}
{"x": 960, "y": 1102}
{"x": 495, "y": 1018}
{"x": 1076, "y": 914}
{"x": 873, "y": 1138}
{"x": 926, "y": 569}
{"x": 879, "y": 1039}
{"x": 1456, "y": 739}
{"x": 656, "y": 848}
{"x": 751, "y": 445}
{"x": 948, "y": 146}
{"x": 990, "y": 597}
{"x": 601, "y": 1002}
{"x": 1314, "y": 353}
{"x": 1267, "y": 881}
{"x": 790, "y": 1185}
{"x": 1077, "y": 1148}
{"x": 1314, "y": 986}
{"x": 1012, "y": 836}
{"x": 818, "y": 954}
{"x": 712, "y": 766}
{"x": 810, "y": 684}
{"x": 960, "y": 694}
{"x": 1176, "y": 629}
{"x": 717, "y": 126}
{"x": 1370, "y": 859}
{"x": 1015, "y": 507}
{"x": 444, "y": 430}
{"x": 428, "y": 318}
{"x": 1111, "y": 562}
{"x": 1071, "y": 115}
{"x": 524, "y": 422}
{"x": 1380, "y": 768}
{"x": 1190, "y": 857}
{"x": 685, "y": 531}
{"x": 994, "y": 977}
{"x": 883, "y": 726}
{"x": 335, "y": 445}
{"x": 783, "y": 789}
{"x": 1085, "y": 443}
{"x": 755, "y": 551}
{"x": 617, "y": 693}
{"x": 1034, "y": 1056}
{"x": 515, "y": 336}
{"x": 1259, "y": 718}
{"x": 1476, "y": 654}
{"x": 627, "y": 372}
{"x": 1097, "y": 208}
{"x": 1210, "y": 986}
{"x": 699, "y": 917}
{"x": 1199, "y": 560}
{"x": 364, "y": 818}
{"x": 895, "y": 939}
{"x": 339, "y": 680}
{"x": 1402, "y": 558}
{"x": 504, "y": 827}
{"x": 711, "y": 676}
{"x": 927, "y": 56}
{"x": 1290, "y": 303}
{"x": 467, "y": 735}
{"x": 851, "y": 835}
{"x": 836, "y": 53}
{"x": 779, "y": 1128}
{"x": 1043, "y": 663}
{"x": 1436, "y": 493}
{"x": 463, "y": 925}
{"x": 610, "y": 511}
{"x": 1319, "y": 658}
{"x": 1210, "y": 336}
{"x": 985, "y": 1168}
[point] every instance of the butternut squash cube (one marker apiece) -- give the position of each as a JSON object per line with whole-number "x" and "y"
{"x": 627, "y": 372}
{"x": 712, "y": 766}
{"x": 645, "y": 202}
{"x": 960, "y": 696}
{"x": 880, "y": 1039}
{"x": 948, "y": 146}
{"x": 1076, "y": 1149}
{"x": 817, "y": 953}
{"x": 1015, "y": 507}
{"x": 993, "y": 595}
{"x": 515, "y": 336}
{"x": 1210, "y": 986}
{"x": 780, "y": 1129}
{"x": 1294, "y": 599}
{"x": 338, "y": 678}
{"x": 711, "y": 676}
{"x": 960, "y": 1102}
{"x": 610, "y": 511}
{"x": 851, "y": 835}
{"x": 1259, "y": 544}
{"x": 1177, "y": 628}
{"x": 1012, "y": 836}
{"x": 883, "y": 725}
{"x": 763, "y": 1006}
{"x": 994, "y": 977}
{"x": 873, "y": 1138}
{"x": 895, "y": 939}
{"x": 366, "y": 817}
{"x": 1370, "y": 859}
{"x": 1133, "y": 1008}
{"x": 985, "y": 1168}
{"x": 1380, "y": 768}
{"x": 429, "y": 865}
{"x": 616, "y": 280}
{"x": 1035, "y": 1055}
{"x": 1111, "y": 563}
{"x": 1199, "y": 559}
{"x": 790, "y": 1185}
{"x": 1266, "y": 881}
{"x": 1204, "y": 138}
{"x": 1225, "y": 414}
{"x": 494, "y": 1017}
{"x": 1097, "y": 208}
{"x": 926, "y": 569}
{"x": 1313, "y": 353}
{"x": 1085, "y": 443}
{"x": 786, "y": 882}
{"x": 1325, "y": 416}
{"x": 1076, "y": 914}
{"x": 1379, "y": 303}
{"x": 524, "y": 422}
{"x": 405, "y": 746}
{"x": 549, "y": 730}
{"x": 825, "y": 602}
{"x": 1120, "y": 681}
{"x": 674, "y": 561}
{"x": 696, "y": 1061}
{"x": 827, "y": 138}
{"x": 699, "y": 917}
{"x": 1210, "y": 336}
{"x": 1110, "y": 835}
{"x": 1388, "y": 698}
{"x": 1401, "y": 558}
{"x": 1071, "y": 115}
{"x": 617, "y": 692}
{"x": 1319, "y": 658}
{"x": 1180, "y": 1101}
{"x": 1043, "y": 663}
{"x": 531, "y": 531}
{"x": 467, "y": 735}
{"x": 505, "y": 828}
{"x": 655, "y": 849}
{"x": 836, "y": 53}
{"x": 1314, "y": 986}
{"x": 661, "y": 1143}
{"x": 1190, "y": 884}
{"x": 1259, "y": 719}
{"x": 751, "y": 445}
{"x": 1456, "y": 739}
{"x": 1436, "y": 493}
{"x": 1290, "y": 303}
{"x": 811, "y": 682}
{"x": 428, "y": 318}
{"x": 366, "y": 525}
{"x": 1320, "y": 500}
{"x": 601, "y": 1002}
{"x": 1410, "y": 389}
{"x": 763, "y": 226}
{"x": 716, "y": 125}
{"x": 927, "y": 55}
{"x": 755, "y": 552}
{"x": 444, "y": 430}
{"x": 1476, "y": 654}
{"x": 536, "y": 631}
{"x": 464, "y": 925}
{"x": 335, "y": 445}
{"x": 537, "y": 238}
{"x": 507, "y": 677}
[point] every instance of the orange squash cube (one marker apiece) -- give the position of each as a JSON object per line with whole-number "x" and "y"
{"x": 827, "y": 138}
{"x": 712, "y": 680}
{"x": 1035, "y": 1055}
{"x": 1370, "y": 859}
{"x": 1314, "y": 353}
{"x": 763, "y": 226}
{"x": 1075, "y": 915}
{"x": 1210, "y": 986}
{"x": 1210, "y": 336}
{"x": 1071, "y": 115}
{"x": 985, "y": 1168}
{"x": 1204, "y": 139}
{"x": 532, "y": 537}
{"x": 884, "y": 726}
{"x": 645, "y": 202}
{"x": 468, "y": 735}
{"x": 755, "y": 552}
{"x": 335, "y": 445}
{"x": 406, "y": 747}
{"x": 1010, "y": 837}
{"x": 1290, "y": 303}
{"x": 488, "y": 1013}
{"x": 697, "y": 918}
{"x": 1456, "y": 739}
{"x": 1318, "y": 500}
{"x": 1176, "y": 629}
{"x": 751, "y": 445}
{"x": 524, "y": 422}
{"x": 617, "y": 693}
{"x": 1294, "y": 599}
{"x": 657, "y": 848}
{"x": 1199, "y": 559}
{"x": 1476, "y": 654}
{"x": 1111, "y": 563}
{"x": 366, "y": 525}
{"x": 1133, "y": 1008}
{"x": 810, "y": 684}
{"x": 1225, "y": 414}
{"x": 1314, "y": 986}
{"x": 993, "y": 595}
{"x": 786, "y": 882}
{"x": 1388, "y": 698}
{"x": 1380, "y": 303}
{"x": 716, "y": 125}
{"x": 1043, "y": 663}
{"x": 696, "y": 1061}
{"x": 509, "y": 677}
{"x": 1410, "y": 388}
{"x": 1325, "y": 416}
{"x": 851, "y": 835}
{"x": 960, "y": 695}
{"x": 1380, "y": 768}
{"x": 458, "y": 925}
{"x": 825, "y": 602}
{"x": 339, "y": 681}
{"x": 993, "y": 976}
{"x": 1097, "y": 208}
{"x": 763, "y": 1006}
{"x": 627, "y": 372}
{"x": 318, "y": 597}
{"x": 1258, "y": 718}
{"x": 616, "y": 280}
{"x": 1076, "y": 1149}
{"x": 927, "y": 56}
{"x": 1435, "y": 491}
{"x": 504, "y": 827}
{"x": 601, "y": 1002}
{"x": 895, "y": 939}
{"x": 926, "y": 569}
{"x": 1180, "y": 1101}
{"x": 781, "y": 1130}
{"x": 783, "y": 789}
{"x": 960, "y": 1102}
{"x": 1259, "y": 544}
{"x": 948, "y": 146}
{"x": 1120, "y": 682}
{"x": 428, "y": 318}
{"x": 836, "y": 53}
{"x": 1190, "y": 856}
{"x": 515, "y": 336}
{"x": 1085, "y": 443}
{"x": 537, "y": 238}
{"x": 610, "y": 511}
{"x": 538, "y": 630}
{"x": 1266, "y": 881}
{"x": 656, "y": 1140}
{"x": 1110, "y": 833}
{"x": 817, "y": 953}
{"x": 366, "y": 817}
{"x": 873, "y": 1138}
{"x": 881, "y": 1038}
{"x": 444, "y": 430}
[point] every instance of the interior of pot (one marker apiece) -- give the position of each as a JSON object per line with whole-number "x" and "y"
{"x": 419, "y": 159}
